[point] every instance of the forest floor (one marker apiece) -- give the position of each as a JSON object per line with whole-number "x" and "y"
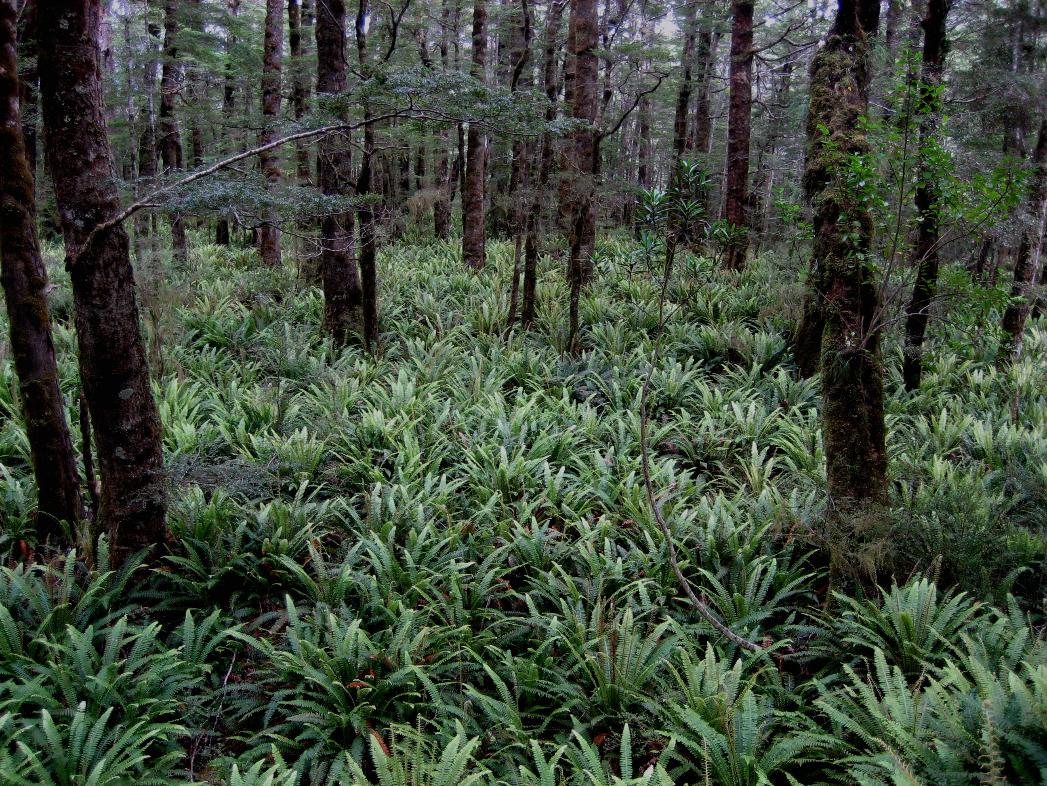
{"x": 439, "y": 565}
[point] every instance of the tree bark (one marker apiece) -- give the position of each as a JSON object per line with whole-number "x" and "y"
{"x": 554, "y": 20}
{"x": 25, "y": 285}
{"x": 925, "y": 252}
{"x": 842, "y": 280}
{"x": 520, "y": 79}
{"x": 1027, "y": 260}
{"x": 298, "y": 14}
{"x": 170, "y": 142}
{"x": 113, "y": 370}
{"x": 683, "y": 96}
{"x": 28, "y": 79}
{"x": 338, "y": 272}
{"x": 473, "y": 230}
{"x": 583, "y": 162}
{"x": 272, "y": 66}
{"x": 739, "y": 119}
{"x": 364, "y": 187}
{"x": 232, "y": 8}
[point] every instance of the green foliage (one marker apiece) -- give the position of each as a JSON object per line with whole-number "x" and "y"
{"x": 439, "y": 565}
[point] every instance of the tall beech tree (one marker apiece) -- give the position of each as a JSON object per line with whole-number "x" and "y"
{"x": 473, "y": 188}
{"x": 365, "y": 213}
{"x": 338, "y": 271}
{"x": 25, "y": 285}
{"x": 844, "y": 297}
{"x": 739, "y": 123}
{"x": 272, "y": 67}
{"x": 113, "y": 370}
{"x": 928, "y": 232}
{"x": 1028, "y": 256}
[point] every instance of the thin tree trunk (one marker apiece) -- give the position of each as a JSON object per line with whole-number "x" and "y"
{"x": 473, "y": 230}
{"x": 739, "y": 120}
{"x": 364, "y": 187}
{"x": 584, "y": 161}
{"x": 554, "y": 19}
{"x": 296, "y": 11}
{"x": 170, "y": 142}
{"x": 925, "y": 253}
{"x": 272, "y": 66}
{"x": 843, "y": 285}
{"x": 338, "y": 272}
{"x": 520, "y": 79}
{"x": 113, "y": 370}
{"x": 25, "y": 285}
{"x": 683, "y": 97}
{"x": 28, "y": 79}
{"x": 1027, "y": 260}
{"x": 228, "y": 97}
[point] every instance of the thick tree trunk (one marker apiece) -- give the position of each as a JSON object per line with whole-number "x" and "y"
{"x": 24, "y": 280}
{"x": 113, "y": 370}
{"x": 338, "y": 272}
{"x": 843, "y": 284}
{"x": 925, "y": 253}
{"x": 170, "y": 142}
{"x": 739, "y": 118}
{"x": 272, "y": 66}
{"x": 554, "y": 19}
{"x": 584, "y": 159}
{"x": 473, "y": 230}
{"x": 1027, "y": 260}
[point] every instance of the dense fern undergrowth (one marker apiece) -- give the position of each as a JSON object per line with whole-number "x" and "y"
{"x": 439, "y": 566}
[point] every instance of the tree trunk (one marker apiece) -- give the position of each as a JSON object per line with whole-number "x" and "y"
{"x": 739, "y": 118}
{"x": 232, "y": 8}
{"x": 170, "y": 142}
{"x": 708, "y": 44}
{"x": 683, "y": 97}
{"x": 584, "y": 159}
{"x": 473, "y": 230}
{"x": 1027, "y": 260}
{"x": 24, "y": 280}
{"x": 297, "y": 14}
{"x": 554, "y": 19}
{"x": 364, "y": 187}
{"x": 28, "y": 79}
{"x": 843, "y": 284}
{"x": 272, "y": 65}
{"x": 113, "y": 370}
{"x": 338, "y": 272}
{"x": 520, "y": 79}
{"x": 925, "y": 253}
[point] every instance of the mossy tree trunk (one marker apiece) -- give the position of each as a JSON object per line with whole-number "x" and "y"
{"x": 843, "y": 286}
{"x": 25, "y": 285}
